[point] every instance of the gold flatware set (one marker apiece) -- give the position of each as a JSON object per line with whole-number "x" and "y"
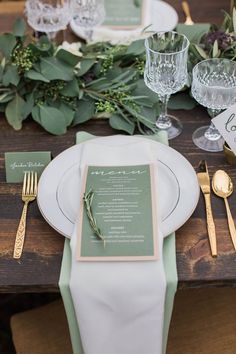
{"x": 222, "y": 186}
{"x": 186, "y": 10}
{"x": 29, "y": 193}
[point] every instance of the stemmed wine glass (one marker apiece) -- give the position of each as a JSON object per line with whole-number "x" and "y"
{"x": 166, "y": 73}
{"x": 88, "y": 14}
{"x": 213, "y": 86}
{"x": 49, "y": 16}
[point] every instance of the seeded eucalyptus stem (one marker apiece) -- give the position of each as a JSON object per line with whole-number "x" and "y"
{"x": 88, "y": 201}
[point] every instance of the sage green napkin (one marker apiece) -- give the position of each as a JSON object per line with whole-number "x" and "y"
{"x": 193, "y": 32}
{"x": 169, "y": 257}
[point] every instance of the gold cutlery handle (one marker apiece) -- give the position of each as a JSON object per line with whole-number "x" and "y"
{"x": 186, "y": 9}
{"x": 20, "y": 235}
{"x": 210, "y": 226}
{"x": 231, "y": 223}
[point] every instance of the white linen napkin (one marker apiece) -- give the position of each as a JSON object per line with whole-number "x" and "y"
{"x": 119, "y": 305}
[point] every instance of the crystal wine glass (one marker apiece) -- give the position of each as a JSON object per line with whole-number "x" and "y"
{"x": 166, "y": 73}
{"x": 88, "y": 14}
{"x": 49, "y": 16}
{"x": 213, "y": 86}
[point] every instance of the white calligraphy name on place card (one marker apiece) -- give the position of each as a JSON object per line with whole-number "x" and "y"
{"x": 226, "y": 124}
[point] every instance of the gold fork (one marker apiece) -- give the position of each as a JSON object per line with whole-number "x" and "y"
{"x": 29, "y": 193}
{"x": 186, "y": 10}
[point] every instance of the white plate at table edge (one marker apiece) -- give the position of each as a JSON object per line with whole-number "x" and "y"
{"x": 182, "y": 170}
{"x": 170, "y": 21}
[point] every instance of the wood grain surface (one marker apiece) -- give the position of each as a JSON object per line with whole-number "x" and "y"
{"x": 38, "y": 270}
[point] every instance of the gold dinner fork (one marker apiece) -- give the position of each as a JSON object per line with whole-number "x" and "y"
{"x": 29, "y": 193}
{"x": 186, "y": 9}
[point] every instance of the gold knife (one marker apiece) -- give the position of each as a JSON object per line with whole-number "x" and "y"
{"x": 204, "y": 182}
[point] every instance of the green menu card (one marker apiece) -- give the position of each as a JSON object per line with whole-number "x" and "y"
{"x": 124, "y": 13}
{"x": 124, "y": 208}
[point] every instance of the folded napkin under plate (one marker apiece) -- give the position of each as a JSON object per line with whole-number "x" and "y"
{"x": 140, "y": 331}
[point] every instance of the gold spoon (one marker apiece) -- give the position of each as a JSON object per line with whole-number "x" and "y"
{"x": 223, "y": 187}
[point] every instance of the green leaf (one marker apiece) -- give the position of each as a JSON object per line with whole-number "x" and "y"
{"x": 181, "y": 101}
{"x": 29, "y": 104}
{"x": 71, "y": 89}
{"x": 42, "y": 47}
{"x": 68, "y": 113}
{"x": 14, "y": 112}
{"x": 85, "y": 111}
{"x": 118, "y": 122}
{"x": 215, "y": 49}
{"x": 11, "y": 76}
{"x": 201, "y": 52}
{"x": 7, "y": 44}
{"x": 234, "y": 19}
{"x": 136, "y": 48}
{"x": 6, "y": 97}
{"x": 54, "y": 69}
{"x": 50, "y": 118}
{"x": 142, "y": 90}
{"x": 68, "y": 57}
{"x": 85, "y": 65}
{"x": 36, "y": 76}
{"x": 19, "y": 27}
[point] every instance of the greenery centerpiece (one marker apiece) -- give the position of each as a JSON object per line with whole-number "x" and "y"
{"x": 60, "y": 86}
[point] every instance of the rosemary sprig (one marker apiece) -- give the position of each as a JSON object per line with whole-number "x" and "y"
{"x": 88, "y": 201}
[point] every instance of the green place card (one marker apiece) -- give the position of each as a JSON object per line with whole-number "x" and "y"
{"x": 17, "y": 163}
{"x": 124, "y": 13}
{"x": 124, "y": 208}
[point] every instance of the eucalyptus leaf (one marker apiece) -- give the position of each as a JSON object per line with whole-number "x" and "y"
{"x": 50, "y": 118}
{"x": 117, "y": 122}
{"x": 85, "y": 65}
{"x": 11, "y": 76}
{"x": 7, "y": 44}
{"x": 71, "y": 89}
{"x": 68, "y": 57}
{"x": 36, "y": 76}
{"x": 6, "y": 97}
{"x": 142, "y": 89}
{"x": 14, "y": 112}
{"x": 19, "y": 27}
{"x": 54, "y": 69}
{"x": 29, "y": 104}
{"x": 68, "y": 113}
{"x": 85, "y": 111}
{"x": 136, "y": 48}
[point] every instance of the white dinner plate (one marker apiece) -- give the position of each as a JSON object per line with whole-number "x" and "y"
{"x": 59, "y": 186}
{"x": 163, "y": 18}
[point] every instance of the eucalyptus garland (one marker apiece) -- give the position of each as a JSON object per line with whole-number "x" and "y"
{"x": 62, "y": 86}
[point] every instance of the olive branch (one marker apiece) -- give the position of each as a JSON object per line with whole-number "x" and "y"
{"x": 88, "y": 201}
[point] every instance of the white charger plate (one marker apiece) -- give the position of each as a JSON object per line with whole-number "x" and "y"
{"x": 163, "y": 18}
{"x": 59, "y": 186}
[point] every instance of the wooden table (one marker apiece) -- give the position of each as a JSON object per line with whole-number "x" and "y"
{"x": 39, "y": 268}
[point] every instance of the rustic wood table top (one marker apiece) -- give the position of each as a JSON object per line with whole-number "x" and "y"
{"x": 39, "y": 268}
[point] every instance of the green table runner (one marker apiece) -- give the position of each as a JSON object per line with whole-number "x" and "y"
{"x": 169, "y": 258}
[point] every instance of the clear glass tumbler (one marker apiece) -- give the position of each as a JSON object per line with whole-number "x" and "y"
{"x": 88, "y": 14}
{"x": 166, "y": 73}
{"x": 49, "y": 16}
{"x": 213, "y": 86}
